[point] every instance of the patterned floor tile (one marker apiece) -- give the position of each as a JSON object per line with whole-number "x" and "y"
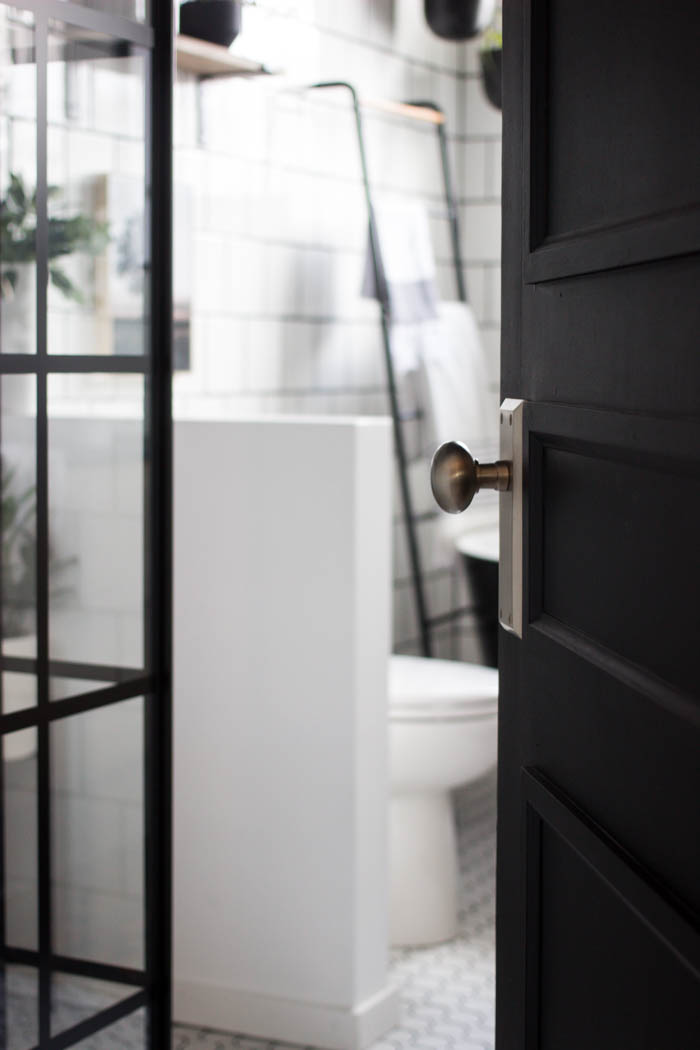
{"x": 446, "y": 992}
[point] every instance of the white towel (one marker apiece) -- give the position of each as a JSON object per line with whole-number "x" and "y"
{"x": 453, "y": 388}
{"x": 407, "y": 263}
{"x": 453, "y": 381}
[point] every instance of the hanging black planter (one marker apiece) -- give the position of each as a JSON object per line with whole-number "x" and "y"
{"x": 453, "y": 19}
{"x": 218, "y": 21}
{"x": 491, "y": 66}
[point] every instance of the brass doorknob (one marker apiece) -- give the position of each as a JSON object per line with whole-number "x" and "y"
{"x": 456, "y": 477}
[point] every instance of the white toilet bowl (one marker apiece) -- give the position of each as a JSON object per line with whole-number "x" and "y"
{"x": 443, "y": 719}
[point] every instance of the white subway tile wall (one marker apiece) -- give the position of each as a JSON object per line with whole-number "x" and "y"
{"x": 276, "y": 235}
{"x": 280, "y": 226}
{"x": 276, "y": 223}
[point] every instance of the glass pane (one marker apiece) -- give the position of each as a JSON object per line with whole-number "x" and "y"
{"x": 74, "y": 999}
{"x": 61, "y": 688}
{"x": 98, "y": 834}
{"x": 96, "y": 507}
{"x": 21, "y": 901}
{"x": 18, "y": 580}
{"x": 19, "y": 1007}
{"x": 127, "y": 1034}
{"x": 135, "y": 10}
{"x": 17, "y": 183}
{"x": 96, "y": 166}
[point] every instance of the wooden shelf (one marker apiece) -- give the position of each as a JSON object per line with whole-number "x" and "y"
{"x": 404, "y": 109}
{"x": 203, "y": 59}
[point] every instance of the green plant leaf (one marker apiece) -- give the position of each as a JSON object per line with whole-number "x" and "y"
{"x": 8, "y": 283}
{"x": 66, "y": 235}
{"x": 16, "y": 193}
{"x": 65, "y": 285}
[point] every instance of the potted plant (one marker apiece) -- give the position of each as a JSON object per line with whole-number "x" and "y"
{"x": 18, "y": 560}
{"x": 18, "y": 604}
{"x": 454, "y": 19}
{"x": 490, "y": 57}
{"x": 18, "y": 229}
{"x": 218, "y": 21}
{"x": 19, "y": 593}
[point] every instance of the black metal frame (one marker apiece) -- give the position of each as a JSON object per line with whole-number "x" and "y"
{"x": 153, "y": 682}
{"x": 425, "y": 621}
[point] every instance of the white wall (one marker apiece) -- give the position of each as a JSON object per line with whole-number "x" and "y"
{"x": 279, "y": 218}
{"x": 276, "y": 246}
{"x": 281, "y": 644}
{"x": 272, "y": 219}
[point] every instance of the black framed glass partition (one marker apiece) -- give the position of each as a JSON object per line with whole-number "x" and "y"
{"x": 85, "y": 579}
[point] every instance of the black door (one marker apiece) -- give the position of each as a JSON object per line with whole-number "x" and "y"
{"x": 599, "y": 807}
{"x": 85, "y": 257}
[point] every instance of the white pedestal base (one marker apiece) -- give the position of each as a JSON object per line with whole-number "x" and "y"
{"x": 281, "y": 643}
{"x": 270, "y": 1017}
{"x": 423, "y": 851}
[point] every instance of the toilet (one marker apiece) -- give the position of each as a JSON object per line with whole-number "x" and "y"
{"x": 443, "y": 718}
{"x": 443, "y": 714}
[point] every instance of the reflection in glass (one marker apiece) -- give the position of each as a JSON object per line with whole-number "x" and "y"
{"x": 96, "y": 484}
{"x": 97, "y": 834}
{"x": 18, "y": 578}
{"x": 129, "y": 1033}
{"x": 135, "y": 10}
{"x": 96, "y": 206}
{"x": 17, "y": 183}
{"x": 61, "y": 688}
{"x": 19, "y": 991}
{"x": 20, "y": 834}
{"x": 74, "y": 999}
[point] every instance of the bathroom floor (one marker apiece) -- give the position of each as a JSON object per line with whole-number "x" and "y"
{"x": 447, "y": 992}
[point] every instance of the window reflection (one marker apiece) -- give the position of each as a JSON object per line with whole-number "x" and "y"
{"x": 96, "y": 204}
{"x": 17, "y": 183}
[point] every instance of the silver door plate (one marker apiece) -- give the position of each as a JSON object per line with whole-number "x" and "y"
{"x": 510, "y": 568}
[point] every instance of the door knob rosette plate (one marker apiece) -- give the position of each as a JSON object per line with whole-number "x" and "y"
{"x": 456, "y": 477}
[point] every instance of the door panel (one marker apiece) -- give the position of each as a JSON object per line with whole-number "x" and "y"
{"x": 598, "y": 941}
{"x": 590, "y": 330}
{"x": 622, "y": 100}
{"x": 589, "y": 964}
{"x": 615, "y": 145}
{"x": 614, "y": 504}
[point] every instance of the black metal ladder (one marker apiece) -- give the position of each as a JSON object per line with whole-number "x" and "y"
{"x": 412, "y": 110}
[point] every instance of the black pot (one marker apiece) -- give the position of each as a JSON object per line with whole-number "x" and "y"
{"x": 453, "y": 19}
{"x": 491, "y": 66}
{"x": 218, "y": 21}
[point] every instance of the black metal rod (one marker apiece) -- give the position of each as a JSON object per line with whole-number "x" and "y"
{"x": 110, "y": 1015}
{"x": 3, "y": 873}
{"x": 78, "y": 967}
{"x": 400, "y": 447}
{"x": 452, "y": 209}
{"x": 73, "y": 669}
{"x": 19, "y": 364}
{"x": 453, "y": 213}
{"x": 78, "y": 704}
{"x": 158, "y": 504}
{"x": 44, "y": 858}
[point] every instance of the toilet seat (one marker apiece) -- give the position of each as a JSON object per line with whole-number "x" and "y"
{"x": 422, "y": 689}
